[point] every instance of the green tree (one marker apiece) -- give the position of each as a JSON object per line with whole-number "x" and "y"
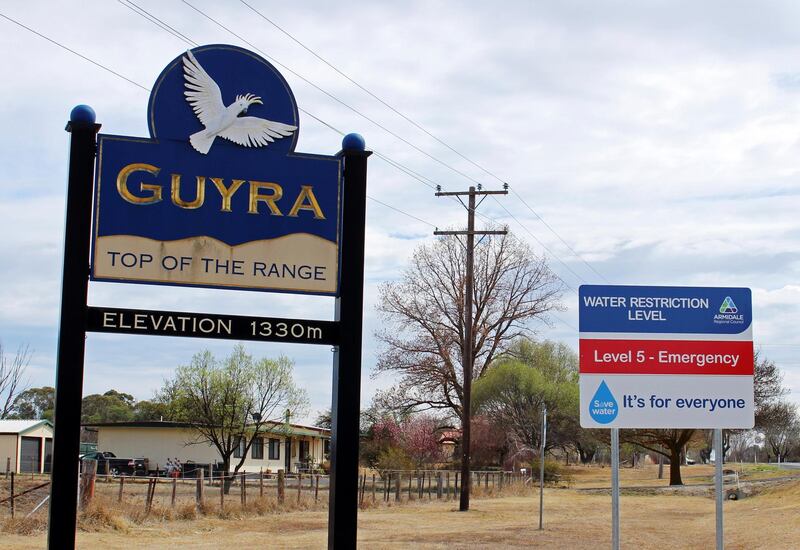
{"x": 233, "y": 400}
{"x": 34, "y": 403}
{"x": 112, "y": 406}
{"x": 528, "y": 377}
{"x": 150, "y": 410}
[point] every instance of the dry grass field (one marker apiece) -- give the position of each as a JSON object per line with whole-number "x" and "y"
{"x": 574, "y": 518}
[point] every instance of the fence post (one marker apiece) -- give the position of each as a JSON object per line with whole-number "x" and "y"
{"x": 261, "y": 482}
{"x": 199, "y": 490}
{"x": 244, "y": 489}
{"x": 438, "y": 485}
{"x": 316, "y": 489}
{"x": 147, "y": 495}
{"x": 373, "y": 487}
{"x": 486, "y": 480}
{"x": 281, "y": 486}
{"x": 299, "y": 485}
{"x": 174, "y": 491}
{"x": 386, "y": 486}
{"x": 409, "y": 487}
{"x": 89, "y": 468}
{"x": 222, "y": 493}
{"x": 121, "y": 485}
{"x": 456, "y": 490}
{"x": 429, "y": 486}
{"x": 12, "y": 495}
{"x": 447, "y": 486}
{"x": 397, "y": 486}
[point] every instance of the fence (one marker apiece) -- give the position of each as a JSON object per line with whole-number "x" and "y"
{"x": 284, "y": 490}
{"x": 430, "y": 484}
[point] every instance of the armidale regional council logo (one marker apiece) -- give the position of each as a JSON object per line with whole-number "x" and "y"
{"x": 728, "y": 313}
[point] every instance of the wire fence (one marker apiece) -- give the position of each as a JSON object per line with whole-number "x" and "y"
{"x": 24, "y": 494}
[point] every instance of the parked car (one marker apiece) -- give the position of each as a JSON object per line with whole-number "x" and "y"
{"x": 109, "y": 463}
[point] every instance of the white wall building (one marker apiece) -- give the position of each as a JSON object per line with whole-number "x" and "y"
{"x": 26, "y": 445}
{"x": 296, "y": 449}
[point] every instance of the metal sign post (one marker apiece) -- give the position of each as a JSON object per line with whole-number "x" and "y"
{"x": 615, "y": 488}
{"x": 72, "y": 330}
{"x": 718, "y": 488}
{"x": 541, "y": 469}
{"x": 345, "y": 410}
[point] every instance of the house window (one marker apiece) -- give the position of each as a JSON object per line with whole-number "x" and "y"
{"x": 257, "y": 448}
{"x": 326, "y": 447}
{"x": 238, "y": 450}
{"x": 274, "y": 449}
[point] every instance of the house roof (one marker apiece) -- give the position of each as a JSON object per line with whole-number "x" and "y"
{"x": 21, "y": 426}
{"x": 296, "y": 429}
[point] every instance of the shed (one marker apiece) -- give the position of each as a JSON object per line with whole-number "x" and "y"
{"x": 26, "y": 446}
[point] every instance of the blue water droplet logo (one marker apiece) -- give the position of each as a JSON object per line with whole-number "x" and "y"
{"x": 603, "y": 407}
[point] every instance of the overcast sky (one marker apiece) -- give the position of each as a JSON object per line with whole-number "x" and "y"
{"x": 658, "y": 141}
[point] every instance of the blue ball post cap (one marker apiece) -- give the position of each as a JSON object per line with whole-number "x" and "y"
{"x": 82, "y": 114}
{"x": 353, "y": 142}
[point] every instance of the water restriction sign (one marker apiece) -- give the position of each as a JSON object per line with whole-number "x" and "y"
{"x": 665, "y": 357}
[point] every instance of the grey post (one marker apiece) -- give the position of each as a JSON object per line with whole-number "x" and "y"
{"x": 718, "y": 459}
{"x": 541, "y": 470}
{"x": 615, "y": 488}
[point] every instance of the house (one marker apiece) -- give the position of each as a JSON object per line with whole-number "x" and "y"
{"x": 289, "y": 447}
{"x": 26, "y": 446}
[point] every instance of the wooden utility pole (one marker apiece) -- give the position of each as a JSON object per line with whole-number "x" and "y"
{"x": 468, "y": 347}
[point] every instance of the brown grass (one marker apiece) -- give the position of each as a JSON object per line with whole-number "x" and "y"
{"x": 573, "y": 519}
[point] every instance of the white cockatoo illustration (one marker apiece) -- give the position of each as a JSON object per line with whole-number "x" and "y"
{"x": 204, "y": 95}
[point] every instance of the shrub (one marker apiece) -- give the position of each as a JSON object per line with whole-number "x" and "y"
{"x": 394, "y": 458}
{"x": 554, "y": 472}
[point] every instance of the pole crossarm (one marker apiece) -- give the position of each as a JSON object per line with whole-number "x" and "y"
{"x": 502, "y": 232}
{"x": 467, "y": 193}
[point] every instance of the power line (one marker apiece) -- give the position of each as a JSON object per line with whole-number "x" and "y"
{"x": 40, "y": 35}
{"x": 422, "y": 179}
{"x": 146, "y": 89}
{"x": 541, "y": 219}
{"x": 421, "y": 128}
{"x": 156, "y": 21}
{"x": 222, "y": 26}
{"x": 171, "y": 30}
{"x": 332, "y": 96}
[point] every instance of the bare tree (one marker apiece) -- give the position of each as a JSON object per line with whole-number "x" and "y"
{"x": 782, "y": 431}
{"x": 424, "y": 316}
{"x": 12, "y": 372}
{"x": 425, "y": 334}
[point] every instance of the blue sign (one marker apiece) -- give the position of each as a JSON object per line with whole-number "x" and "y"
{"x": 664, "y": 309}
{"x": 217, "y": 196}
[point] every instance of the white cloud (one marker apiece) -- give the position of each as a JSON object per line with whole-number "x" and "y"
{"x": 659, "y": 139}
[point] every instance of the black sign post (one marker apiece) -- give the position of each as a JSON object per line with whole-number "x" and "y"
{"x": 72, "y": 329}
{"x": 77, "y": 318}
{"x": 345, "y": 410}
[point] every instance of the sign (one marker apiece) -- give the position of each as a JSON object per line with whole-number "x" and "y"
{"x": 210, "y": 325}
{"x": 665, "y": 357}
{"x": 217, "y": 197}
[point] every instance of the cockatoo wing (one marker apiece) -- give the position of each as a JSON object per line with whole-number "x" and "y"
{"x": 202, "y": 92}
{"x": 252, "y": 131}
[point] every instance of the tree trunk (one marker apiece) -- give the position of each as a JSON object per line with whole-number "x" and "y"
{"x": 227, "y": 478}
{"x": 675, "y": 466}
